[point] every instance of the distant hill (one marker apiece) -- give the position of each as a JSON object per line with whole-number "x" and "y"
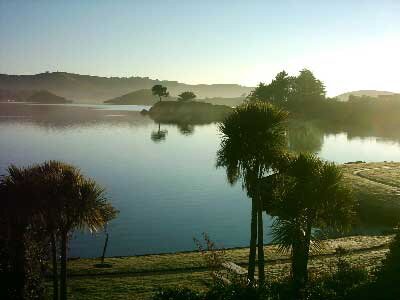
{"x": 11, "y": 95}
{"x": 145, "y": 97}
{"x": 46, "y": 97}
{"x": 224, "y": 101}
{"x": 370, "y": 93}
{"x": 95, "y": 89}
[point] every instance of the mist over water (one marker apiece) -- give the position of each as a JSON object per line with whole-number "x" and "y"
{"x": 167, "y": 190}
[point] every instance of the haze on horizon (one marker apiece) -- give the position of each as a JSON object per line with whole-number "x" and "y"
{"x": 350, "y": 45}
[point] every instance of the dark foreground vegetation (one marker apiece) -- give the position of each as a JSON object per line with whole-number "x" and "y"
{"x": 41, "y": 206}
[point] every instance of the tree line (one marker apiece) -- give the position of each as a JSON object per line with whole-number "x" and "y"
{"x": 304, "y": 96}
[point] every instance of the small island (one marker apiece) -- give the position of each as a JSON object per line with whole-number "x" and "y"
{"x": 188, "y": 112}
{"x": 45, "y": 97}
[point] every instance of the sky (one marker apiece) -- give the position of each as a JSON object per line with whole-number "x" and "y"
{"x": 348, "y": 44}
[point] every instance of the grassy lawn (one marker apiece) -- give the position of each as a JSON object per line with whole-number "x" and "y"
{"x": 138, "y": 277}
{"x": 131, "y": 287}
{"x": 375, "y": 187}
{"x": 385, "y": 175}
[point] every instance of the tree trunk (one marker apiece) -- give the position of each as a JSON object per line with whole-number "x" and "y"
{"x": 104, "y": 249}
{"x": 300, "y": 256}
{"x": 63, "y": 271}
{"x": 55, "y": 272}
{"x": 160, "y": 98}
{"x": 297, "y": 270}
{"x": 253, "y": 243}
{"x": 306, "y": 252}
{"x": 261, "y": 262}
{"x": 19, "y": 265}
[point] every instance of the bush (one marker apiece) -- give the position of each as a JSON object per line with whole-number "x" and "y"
{"x": 237, "y": 291}
{"x": 387, "y": 282}
{"x": 233, "y": 291}
{"x": 177, "y": 294}
{"x": 340, "y": 284}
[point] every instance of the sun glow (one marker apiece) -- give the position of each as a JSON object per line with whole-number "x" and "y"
{"x": 360, "y": 66}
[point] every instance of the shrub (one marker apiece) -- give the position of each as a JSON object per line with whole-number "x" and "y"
{"x": 387, "y": 282}
{"x": 233, "y": 291}
{"x": 177, "y": 294}
{"x": 237, "y": 291}
{"x": 339, "y": 284}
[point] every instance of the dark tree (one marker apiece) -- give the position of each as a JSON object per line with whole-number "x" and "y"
{"x": 304, "y": 94}
{"x": 186, "y": 96}
{"x": 17, "y": 214}
{"x": 52, "y": 199}
{"x": 307, "y": 88}
{"x": 252, "y": 139}
{"x": 159, "y": 91}
{"x": 277, "y": 92}
{"x": 308, "y": 193}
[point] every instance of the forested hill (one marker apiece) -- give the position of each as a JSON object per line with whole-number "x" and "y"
{"x": 95, "y": 89}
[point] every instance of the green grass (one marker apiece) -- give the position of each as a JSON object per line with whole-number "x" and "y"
{"x": 138, "y": 277}
{"x": 386, "y": 176}
{"x": 131, "y": 287}
{"x": 376, "y": 189}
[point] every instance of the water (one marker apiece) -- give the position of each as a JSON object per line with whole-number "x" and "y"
{"x": 167, "y": 191}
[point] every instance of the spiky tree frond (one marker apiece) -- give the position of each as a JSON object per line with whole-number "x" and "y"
{"x": 284, "y": 232}
{"x": 252, "y": 136}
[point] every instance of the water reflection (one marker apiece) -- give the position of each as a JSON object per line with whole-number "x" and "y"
{"x": 304, "y": 137}
{"x": 186, "y": 129}
{"x": 159, "y": 135}
{"x": 64, "y": 116}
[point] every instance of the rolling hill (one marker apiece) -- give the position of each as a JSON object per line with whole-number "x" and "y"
{"x": 46, "y": 97}
{"x": 95, "y": 89}
{"x": 140, "y": 97}
{"x": 370, "y": 93}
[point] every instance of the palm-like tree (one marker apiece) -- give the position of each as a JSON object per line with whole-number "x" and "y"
{"x": 308, "y": 193}
{"x": 252, "y": 138}
{"x": 80, "y": 203}
{"x": 54, "y": 197}
{"x": 18, "y": 210}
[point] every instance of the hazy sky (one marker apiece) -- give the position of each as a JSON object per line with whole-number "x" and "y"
{"x": 349, "y": 44}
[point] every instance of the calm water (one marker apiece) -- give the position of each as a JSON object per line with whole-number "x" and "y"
{"x": 167, "y": 191}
